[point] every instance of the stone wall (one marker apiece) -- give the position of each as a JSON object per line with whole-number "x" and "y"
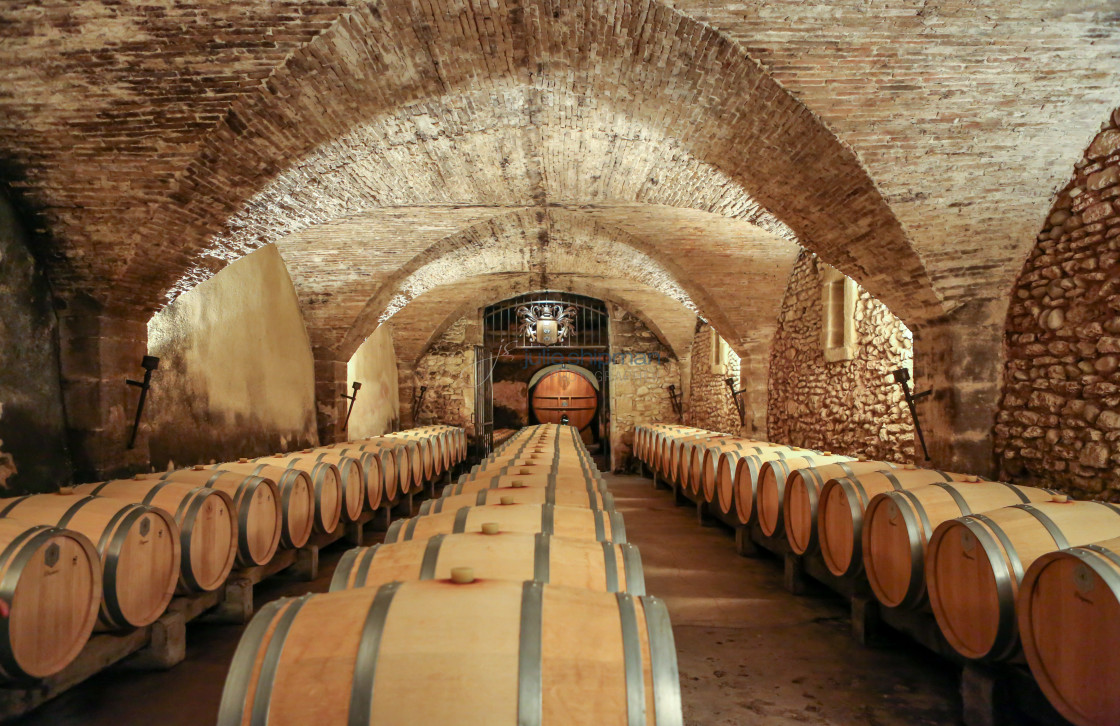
{"x": 640, "y": 373}
{"x": 1059, "y": 419}
{"x": 377, "y": 407}
{"x": 33, "y": 450}
{"x": 710, "y": 404}
{"x": 848, "y": 407}
{"x": 447, "y": 369}
{"x": 236, "y": 375}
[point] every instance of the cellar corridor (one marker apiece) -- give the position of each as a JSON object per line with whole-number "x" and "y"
{"x": 748, "y": 651}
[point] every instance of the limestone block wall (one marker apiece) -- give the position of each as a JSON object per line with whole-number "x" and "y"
{"x": 236, "y": 374}
{"x": 849, "y": 406}
{"x": 377, "y": 407}
{"x": 1059, "y": 418}
{"x": 710, "y": 405}
{"x": 33, "y": 452}
{"x": 640, "y": 372}
{"x": 447, "y": 369}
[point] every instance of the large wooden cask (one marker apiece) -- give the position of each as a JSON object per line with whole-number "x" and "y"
{"x": 50, "y": 580}
{"x": 564, "y": 392}
{"x": 840, "y": 513}
{"x": 772, "y": 477}
{"x": 803, "y": 488}
{"x": 576, "y": 522}
{"x": 487, "y": 652}
{"x": 588, "y": 499}
{"x": 1069, "y": 621}
{"x": 256, "y": 500}
{"x": 297, "y": 499}
{"x": 897, "y": 525}
{"x": 975, "y": 565}
{"x": 497, "y": 555}
{"x": 138, "y": 546}
{"x": 207, "y": 525}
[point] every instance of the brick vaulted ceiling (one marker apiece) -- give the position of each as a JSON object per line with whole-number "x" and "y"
{"x": 679, "y": 152}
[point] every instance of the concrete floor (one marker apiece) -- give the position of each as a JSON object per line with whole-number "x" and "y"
{"x": 749, "y": 652}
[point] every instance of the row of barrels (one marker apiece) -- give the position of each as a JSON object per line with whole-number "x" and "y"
{"x": 1006, "y": 570}
{"x": 528, "y": 608}
{"x": 111, "y": 555}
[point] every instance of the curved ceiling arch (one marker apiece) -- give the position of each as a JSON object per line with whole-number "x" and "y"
{"x": 420, "y": 325}
{"x": 665, "y": 69}
{"x": 544, "y": 243}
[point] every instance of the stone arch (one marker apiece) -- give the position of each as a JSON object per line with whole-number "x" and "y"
{"x": 667, "y": 70}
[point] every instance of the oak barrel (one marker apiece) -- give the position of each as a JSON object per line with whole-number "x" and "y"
{"x": 975, "y": 565}
{"x": 352, "y": 477}
{"x": 326, "y": 485}
{"x": 413, "y": 455}
{"x": 485, "y": 652}
{"x": 588, "y": 499}
{"x": 1069, "y": 620}
{"x": 575, "y": 522}
{"x": 379, "y": 466}
{"x": 256, "y": 500}
{"x": 840, "y": 513}
{"x": 206, "y": 519}
{"x": 772, "y": 477}
{"x": 138, "y": 546}
{"x": 396, "y": 463}
{"x": 297, "y": 499}
{"x": 747, "y": 470}
{"x": 803, "y": 488}
{"x": 50, "y": 580}
{"x": 513, "y": 556}
{"x": 553, "y": 480}
{"x": 897, "y": 525}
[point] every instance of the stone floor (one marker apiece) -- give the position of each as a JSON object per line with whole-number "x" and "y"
{"x": 749, "y": 652}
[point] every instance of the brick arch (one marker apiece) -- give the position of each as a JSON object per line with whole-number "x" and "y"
{"x": 542, "y": 243}
{"x": 667, "y": 71}
{"x": 417, "y": 327}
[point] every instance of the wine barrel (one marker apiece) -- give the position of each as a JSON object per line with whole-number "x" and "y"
{"x": 840, "y": 513}
{"x": 521, "y": 495}
{"x": 693, "y": 456}
{"x": 564, "y": 392}
{"x": 551, "y": 481}
{"x": 726, "y": 464}
{"x": 256, "y": 500}
{"x": 530, "y": 470}
{"x": 710, "y": 461}
{"x": 423, "y": 450}
{"x": 402, "y": 464}
{"x": 383, "y": 479}
{"x": 747, "y": 470}
{"x": 803, "y": 487}
{"x": 297, "y": 499}
{"x": 675, "y": 466}
{"x": 897, "y": 526}
{"x": 143, "y": 538}
{"x": 575, "y": 522}
{"x": 326, "y": 484}
{"x": 413, "y": 455}
{"x": 975, "y": 565}
{"x": 207, "y": 525}
{"x": 500, "y": 653}
{"x": 772, "y": 477}
{"x": 50, "y": 580}
{"x": 496, "y": 555}
{"x": 1069, "y": 620}
{"x": 352, "y": 476}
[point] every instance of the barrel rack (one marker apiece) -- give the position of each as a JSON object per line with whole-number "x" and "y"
{"x": 163, "y": 644}
{"x": 997, "y": 694}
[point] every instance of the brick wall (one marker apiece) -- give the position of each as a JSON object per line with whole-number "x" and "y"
{"x": 849, "y": 406}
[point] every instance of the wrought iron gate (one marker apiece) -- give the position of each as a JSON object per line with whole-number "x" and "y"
{"x": 483, "y": 400}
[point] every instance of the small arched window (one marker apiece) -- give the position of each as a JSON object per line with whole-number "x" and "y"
{"x": 838, "y": 320}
